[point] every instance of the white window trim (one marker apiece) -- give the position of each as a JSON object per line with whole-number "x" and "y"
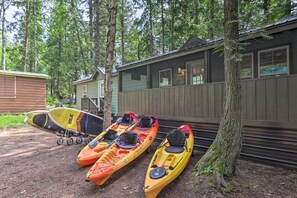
{"x": 85, "y": 87}
{"x": 170, "y": 85}
{"x": 200, "y": 62}
{"x": 14, "y": 77}
{"x": 252, "y": 75}
{"x": 271, "y": 49}
{"x": 99, "y": 89}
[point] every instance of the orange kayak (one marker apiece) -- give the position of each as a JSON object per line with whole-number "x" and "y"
{"x": 93, "y": 151}
{"x": 128, "y": 146}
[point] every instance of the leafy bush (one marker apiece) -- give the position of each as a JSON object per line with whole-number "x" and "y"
{"x": 51, "y": 101}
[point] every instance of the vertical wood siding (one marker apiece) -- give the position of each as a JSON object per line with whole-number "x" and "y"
{"x": 30, "y": 95}
{"x": 265, "y": 102}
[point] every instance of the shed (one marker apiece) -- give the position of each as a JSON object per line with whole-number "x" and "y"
{"x": 22, "y": 91}
{"x": 90, "y": 92}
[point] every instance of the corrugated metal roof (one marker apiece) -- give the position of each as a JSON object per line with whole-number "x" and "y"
{"x": 24, "y": 74}
{"x": 282, "y": 22}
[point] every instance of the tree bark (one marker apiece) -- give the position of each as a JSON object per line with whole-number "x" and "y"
{"x": 109, "y": 64}
{"x": 172, "y": 46}
{"x": 151, "y": 35}
{"x": 163, "y": 26}
{"x": 91, "y": 29}
{"x": 123, "y": 32}
{"x": 98, "y": 28}
{"x": 288, "y": 8}
{"x": 223, "y": 153}
{"x": 3, "y": 36}
{"x": 211, "y": 18}
{"x": 27, "y": 15}
{"x": 196, "y": 7}
{"x": 35, "y": 37}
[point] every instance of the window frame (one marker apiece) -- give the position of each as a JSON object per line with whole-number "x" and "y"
{"x": 272, "y": 49}
{"x": 14, "y": 80}
{"x": 100, "y": 82}
{"x": 85, "y": 88}
{"x": 252, "y": 75}
{"x": 168, "y": 69}
{"x": 200, "y": 62}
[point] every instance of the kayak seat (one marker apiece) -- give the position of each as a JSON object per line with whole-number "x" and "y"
{"x": 145, "y": 123}
{"x": 127, "y": 119}
{"x": 109, "y": 136}
{"x": 176, "y": 140}
{"x": 127, "y": 140}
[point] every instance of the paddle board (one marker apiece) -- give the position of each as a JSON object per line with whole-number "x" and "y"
{"x": 76, "y": 120}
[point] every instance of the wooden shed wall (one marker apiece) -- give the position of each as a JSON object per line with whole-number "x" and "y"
{"x": 30, "y": 95}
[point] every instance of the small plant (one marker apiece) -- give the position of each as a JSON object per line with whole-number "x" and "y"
{"x": 207, "y": 170}
{"x": 51, "y": 101}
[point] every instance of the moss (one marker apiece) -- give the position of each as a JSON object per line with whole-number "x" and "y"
{"x": 252, "y": 186}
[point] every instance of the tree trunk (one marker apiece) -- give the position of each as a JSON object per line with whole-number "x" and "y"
{"x": 211, "y": 19}
{"x": 25, "y": 58}
{"x": 265, "y": 7}
{"x": 151, "y": 47}
{"x": 109, "y": 64}
{"x": 91, "y": 30}
{"x": 163, "y": 26}
{"x": 35, "y": 37}
{"x": 196, "y": 7}
{"x": 3, "y": 36}
{"x": 123, "y": 32}
{"x": 223, "y": 153}
{"x": 98, "y": 28}
{"x": 172, "y": 25}
{"x": 288, "y": 8}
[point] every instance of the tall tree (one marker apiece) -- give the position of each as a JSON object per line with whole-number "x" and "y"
{"x": 4, "y": 6}
{"x": 35, "y": 37}
{"x": 109, "y": 63}
{"x": 26, "y": 36}
{"x": 91, "y": 29}
{"x": 223, "y": 153}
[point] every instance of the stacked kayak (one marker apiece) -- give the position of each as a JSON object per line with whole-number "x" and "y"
{"x": 128, "y": 146}
{"x": 169, "y": 160}
{"x": 90, "y": 153}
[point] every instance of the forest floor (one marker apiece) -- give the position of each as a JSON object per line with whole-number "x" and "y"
{"x": 33, "y": 165}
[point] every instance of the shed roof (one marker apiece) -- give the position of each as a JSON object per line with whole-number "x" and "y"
{"x": 279, "y": 26}
{"x": 93, "y": 76}
{"x": 24, "y": 74}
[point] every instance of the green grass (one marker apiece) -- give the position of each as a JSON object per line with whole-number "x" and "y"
{"x": 10, "y": 120}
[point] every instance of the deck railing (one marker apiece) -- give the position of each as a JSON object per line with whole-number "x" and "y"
{"x": 267, "y": 102}
{"x": 87, "y": 104}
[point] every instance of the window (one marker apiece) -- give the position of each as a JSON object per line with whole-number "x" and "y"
{"x": 246, "y": 66}
{"x": 165, "y": 78}
{"x": 197, "y": 72}
{"x": 85, "y": 90}
{"x": 135, "y": 76}
{"x": 7, "y": 87}
{"x": 101, "y": 89}
{"x": 274, "y": 61}
{"x": 179, "y": 76}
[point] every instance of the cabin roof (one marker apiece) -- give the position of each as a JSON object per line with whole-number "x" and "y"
{"x": 93, "y": 76}
{"x": 194, "y": 44}
{"x": 24, "y": 74}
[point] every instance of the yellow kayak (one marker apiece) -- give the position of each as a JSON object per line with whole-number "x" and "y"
{"x": 169, "y": 160}
{"x": 128, "y": 146}
{"x": 93, "y": 151}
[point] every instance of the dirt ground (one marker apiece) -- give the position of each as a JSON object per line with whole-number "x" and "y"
{"x": 33, "y": 165}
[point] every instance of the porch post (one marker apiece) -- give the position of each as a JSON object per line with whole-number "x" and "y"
{"x": 148, "y": 76}
{"x": 120, "y": 82}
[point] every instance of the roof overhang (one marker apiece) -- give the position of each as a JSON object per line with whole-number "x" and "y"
{"x": 24, "y": 74}
{"x": 247, "y": 35}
